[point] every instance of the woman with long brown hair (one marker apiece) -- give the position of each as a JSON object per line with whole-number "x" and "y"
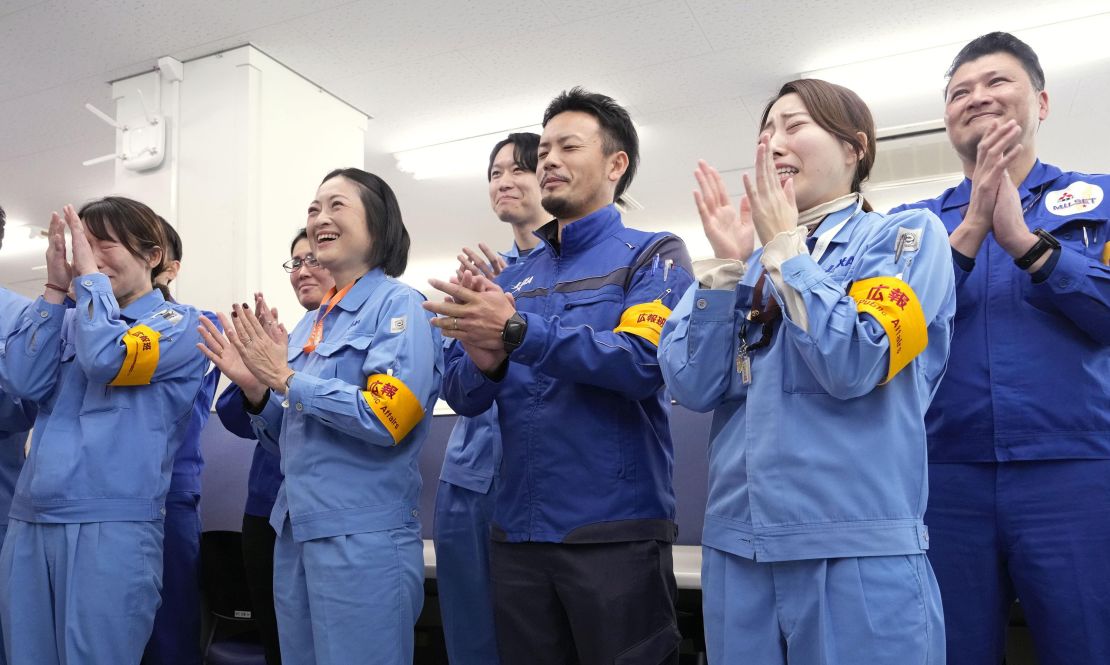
{"x": 818, "y": 354}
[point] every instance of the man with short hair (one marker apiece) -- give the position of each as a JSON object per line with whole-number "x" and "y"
{"x": 584, "y": 518}
{"x": 1019, "y": 431}
{"x": 464, "y": 502}
{"x": 16, "y": 416}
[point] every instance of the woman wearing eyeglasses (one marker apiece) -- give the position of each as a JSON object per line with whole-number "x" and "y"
{"x": 819, "y": 354}
{"x": 311, "y": 282}
{"x": 349, "y": 422}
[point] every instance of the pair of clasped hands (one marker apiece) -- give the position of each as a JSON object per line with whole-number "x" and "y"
{"x": 59, "y": 271}
{"x": 995, "y": 205}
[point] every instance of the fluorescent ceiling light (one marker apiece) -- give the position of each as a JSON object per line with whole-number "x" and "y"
{"x": 454, "y": 159}
{"x": 1059, "y": 46}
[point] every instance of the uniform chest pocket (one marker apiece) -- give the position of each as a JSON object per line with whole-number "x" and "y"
{"x": 600, "y": 309}
{"x": 796, "y": 375}
{"x": 342, "y": 359}
{"x": 1087, "y": 235}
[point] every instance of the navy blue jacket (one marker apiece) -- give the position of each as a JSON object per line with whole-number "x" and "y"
{"x": 1030, "y": 368}
{"x": 587, "y": 453}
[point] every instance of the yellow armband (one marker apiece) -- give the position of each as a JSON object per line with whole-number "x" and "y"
{"x": 645, "y": 320}
{"x": 393, "y": 404}
{"x": 895, "y": 306}
{"x": 1106, "y": 254}
{"x": 141, "y": 360}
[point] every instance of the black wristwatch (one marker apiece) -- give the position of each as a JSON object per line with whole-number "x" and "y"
{"x": 1046, "y": 243}
{"x": 512, "y": 335}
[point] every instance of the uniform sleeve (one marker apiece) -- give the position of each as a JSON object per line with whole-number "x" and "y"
{"x": 403, "y": 372}
{"x": 111, "y": 351}
{"x": 30, "y": 359}
{"x": 232, "y": 414}
{"x": 1078, "y": 288}
{"x": 863, "y": 333}
{"x": 625, "y": 359}
{"x": 468, "y": 391}
{"x": 697, "y": 352}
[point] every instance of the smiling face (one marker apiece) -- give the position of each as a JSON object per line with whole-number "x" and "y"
{"x": 338, "y": 231}
{"x": 822, "y": 165}
{"x": 310, "y": 284}
{"x": 514, "y": 192}
{"x": 992, "y": 89}
{"x": 129, "y": 274}
{"x": 576, "y": 177}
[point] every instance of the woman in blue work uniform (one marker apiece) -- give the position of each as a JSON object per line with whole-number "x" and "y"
{"x": 115, "y": 377}
{"x": 349, "y": 423}
{"x": 311, "y": 283}
{"x": 819, "y": 354}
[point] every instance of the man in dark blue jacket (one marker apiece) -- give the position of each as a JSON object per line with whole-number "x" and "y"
{"x": 1019, "y": 431}
{"x": 584, "y": 518}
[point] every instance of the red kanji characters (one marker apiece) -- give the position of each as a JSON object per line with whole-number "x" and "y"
{"x": 876, "y": 292}
{"x": 900, "y": 298}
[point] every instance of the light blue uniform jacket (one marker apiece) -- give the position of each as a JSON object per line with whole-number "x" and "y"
{"x": 343, "y": 473}
{"x": 815, "y": 459}
{"x": 100, "y": 452}
{"x": 473, "y": 454}
{"x": 16, "y": 416}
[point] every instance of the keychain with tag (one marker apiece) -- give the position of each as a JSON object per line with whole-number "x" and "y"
{"x": 743, "y": 357}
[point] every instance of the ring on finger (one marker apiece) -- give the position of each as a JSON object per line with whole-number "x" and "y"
{"x": 454, "y": 323}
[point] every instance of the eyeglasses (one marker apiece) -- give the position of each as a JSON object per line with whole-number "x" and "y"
{"x": 293, "y": 265}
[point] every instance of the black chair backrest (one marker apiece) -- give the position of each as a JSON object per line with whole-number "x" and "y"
{"x": 223, "y": 578}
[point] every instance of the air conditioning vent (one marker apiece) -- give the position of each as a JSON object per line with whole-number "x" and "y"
{"x": 912, "y": 154}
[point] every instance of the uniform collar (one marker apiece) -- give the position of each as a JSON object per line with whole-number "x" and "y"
{"x": 834, "y": 218}
{"x": 581, "y": 234}
{"x": 1040, "y": 174}
{"x": 143, "y": 305}
{"x": 362, "y": 289}
{"x": 512, "y": 255}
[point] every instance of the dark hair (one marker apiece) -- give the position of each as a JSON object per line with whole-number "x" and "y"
{"x": 840, "y": 112}
{"x": 389, "y": 238}
{"x": 525, "y": 147}
{"x": 3, "y": 221}
{"x": 618, "y": 132}
{"x": 999, "y": 42}
{"x": 301, "y": 235}
{"x": 171, "y": 253}
{"x": 136, "y": 226}
{"x": 173, "y": 241}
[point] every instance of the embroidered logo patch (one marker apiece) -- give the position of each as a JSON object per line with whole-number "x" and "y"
{"x": 521, "y": 284}
{"x": 397, "y": 324}
{"x": 1075, "y": 198}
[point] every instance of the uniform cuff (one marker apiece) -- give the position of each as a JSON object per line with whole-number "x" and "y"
{"x": 719, "y": 273}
